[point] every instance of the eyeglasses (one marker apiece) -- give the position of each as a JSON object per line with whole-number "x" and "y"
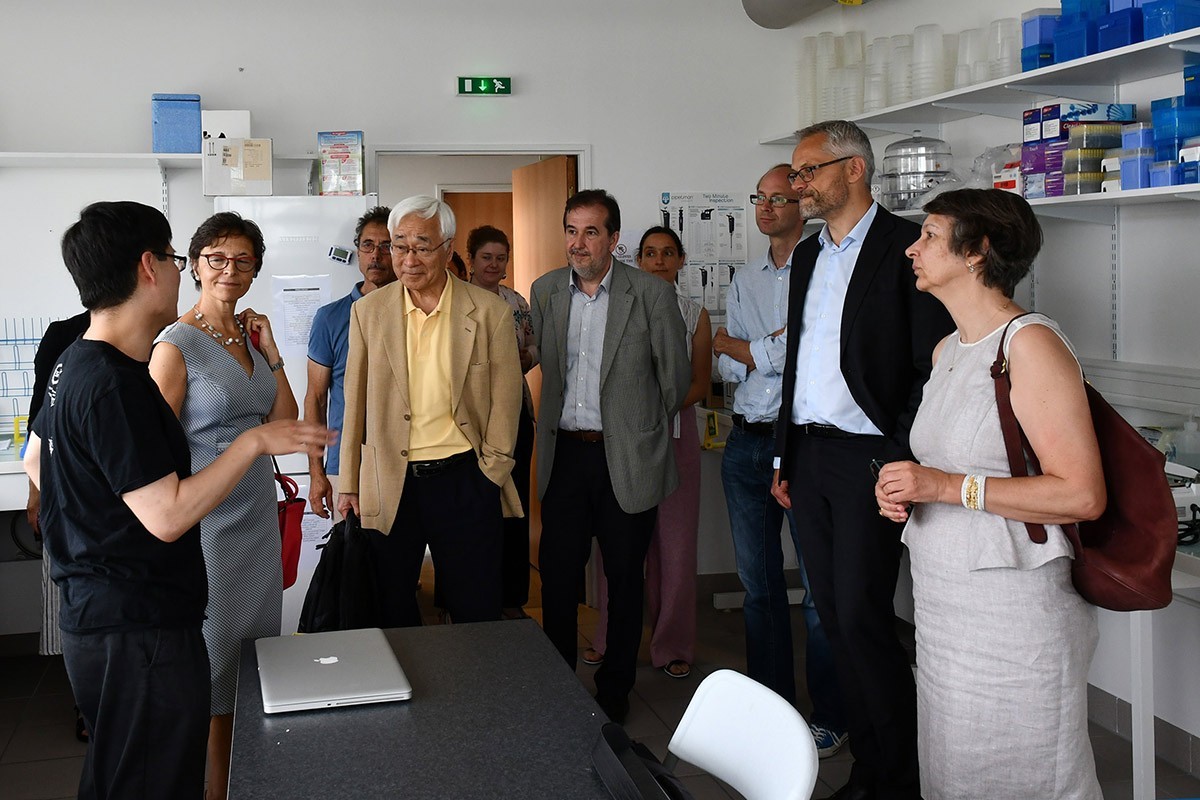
{"x": 219, "y": 262}
{"x": 422, "y": 252}
{"x": 180, "y": 261}
{"x": 777, "y": 200}
{"x": 806, "y": 174}
{"x": 369, "y": 247}
{"x": 876, "y": 465}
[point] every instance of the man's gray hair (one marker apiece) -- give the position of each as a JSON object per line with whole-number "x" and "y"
{"x": 844, "y": 138}
{"x": 424, "y": 206}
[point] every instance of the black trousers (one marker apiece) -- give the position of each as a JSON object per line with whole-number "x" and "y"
{"x": 145, "y": 698}
{"x": 515, "y": 568}
{"x": 853, "y": 555}
{"x": 579, "y": 503}
{"x": 457, "y": 514}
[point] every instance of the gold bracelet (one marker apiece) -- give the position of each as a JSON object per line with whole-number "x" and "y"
{"x": 970, "y": 493}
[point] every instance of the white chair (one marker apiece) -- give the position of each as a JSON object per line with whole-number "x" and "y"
{"x": 740, "y": 731}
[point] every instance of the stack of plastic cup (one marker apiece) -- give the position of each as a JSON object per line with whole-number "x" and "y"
{"x": 972, "y": 58}
{"x": 850, "y": 97}
{"x": 900, "y": 70}
{"x": 1004, "y": 47}
{"x": 806, "y": 68}
{"x": 853, "y": 48}
{"x": 950, "y": 58}
{"x": 879, "y": 54}
{"x": 928, "y": 69}
{"x": 828, "y": 58}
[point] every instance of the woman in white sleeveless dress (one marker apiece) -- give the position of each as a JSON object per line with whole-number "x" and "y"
{"x": 1003, "y": 640}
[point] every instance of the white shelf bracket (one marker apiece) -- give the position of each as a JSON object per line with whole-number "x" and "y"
{"x": 1185, "y": 47}
{"x": 162, "y": 177}
{"x": 1094, "y": 214}
{"x": 1099, "y": 93}
{"x": 932, "y": 129}
{"x": 992, "y": 109}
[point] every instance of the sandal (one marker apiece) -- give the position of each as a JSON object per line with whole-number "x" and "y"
{"x": 81, "y": 731}
{"x": 678, "y": 669}
{"x": 592, "y": 658}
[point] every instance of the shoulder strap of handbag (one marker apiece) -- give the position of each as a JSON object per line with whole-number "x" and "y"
{"x": 1015, "y": 443}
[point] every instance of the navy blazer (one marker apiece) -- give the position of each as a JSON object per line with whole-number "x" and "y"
{"x": 889, "y": 330}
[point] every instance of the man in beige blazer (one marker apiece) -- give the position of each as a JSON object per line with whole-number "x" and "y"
{"x": 433, "y": 395}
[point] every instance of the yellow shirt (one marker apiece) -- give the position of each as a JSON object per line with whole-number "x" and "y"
{"x": 434, "y": 433}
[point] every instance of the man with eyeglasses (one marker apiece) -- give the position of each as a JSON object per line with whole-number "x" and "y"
{"x": 433, "y": 395}
{"x": 123, "y": 508}
{"x": 615, "y": 370}
{"x": 859, "y": 353}
{"x": 328, "y": 347}
{"x": 750, "y": 354}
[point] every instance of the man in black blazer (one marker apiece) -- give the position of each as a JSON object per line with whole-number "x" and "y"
{"x": 860, "y": 343}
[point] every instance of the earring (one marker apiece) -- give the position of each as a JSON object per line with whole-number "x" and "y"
{"x": 970, "y": 267}
{"x": 195, "y": 277}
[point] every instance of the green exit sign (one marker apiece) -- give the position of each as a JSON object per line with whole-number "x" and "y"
{"x": 484, "y": 85}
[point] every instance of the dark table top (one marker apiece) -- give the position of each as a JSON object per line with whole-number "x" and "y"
{"x": 495, "y": 713}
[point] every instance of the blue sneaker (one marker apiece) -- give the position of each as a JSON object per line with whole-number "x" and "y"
{"x": 828, "y": 742}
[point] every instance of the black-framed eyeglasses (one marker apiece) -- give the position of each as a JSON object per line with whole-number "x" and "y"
{"x": 777, "y": 200}
{"x": 369, "y": 247}
{"x": 180, "y": 260}
{"x": 807, "y": 174}
{"x": 422, "y": 252}
{"x": 219, "y": 262}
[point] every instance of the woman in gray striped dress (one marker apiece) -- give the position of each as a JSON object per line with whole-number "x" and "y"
{"x": 221, "y": 385}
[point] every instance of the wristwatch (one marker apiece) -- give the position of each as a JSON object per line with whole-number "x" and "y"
{"x": 278, "y": 365}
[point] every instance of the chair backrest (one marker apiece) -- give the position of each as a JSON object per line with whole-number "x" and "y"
{"x": 740, "y": 731}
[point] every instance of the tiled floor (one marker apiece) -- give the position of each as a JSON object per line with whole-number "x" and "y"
{"x": 40, "y": 759}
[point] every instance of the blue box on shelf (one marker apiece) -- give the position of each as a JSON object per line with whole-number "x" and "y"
{"x": 1118, "y": 29}
{"x": 1191, "y": 81}
{"x": 1164, "y": 17}
{"x": 1075, "y": 10}
{"x": 1074, "y": 40}
{"x": 1138, "y": 134}
{"x": 1135, "y": 169}
{"x": 1036, "y": 56}
{"x": 1118, "y": 5}
{"x": 1189, "y": 172}
{"x": 1165, "y": 173}
{"x": 175, "y": 122}
{"x": 1037, "y": 26}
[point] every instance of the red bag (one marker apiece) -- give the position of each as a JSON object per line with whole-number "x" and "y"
{"x": 1123, "y": 559}
{"x": 291, "y": 516}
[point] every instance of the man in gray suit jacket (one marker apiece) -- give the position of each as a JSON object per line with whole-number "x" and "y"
{"x": 615, "y": 370}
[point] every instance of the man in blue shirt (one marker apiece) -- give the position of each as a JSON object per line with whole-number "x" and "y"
{"x": 328, "y": 347}
{"x": 751, "y": 354}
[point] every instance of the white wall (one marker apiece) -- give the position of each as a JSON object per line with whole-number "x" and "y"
{"x": 402, "y": 176}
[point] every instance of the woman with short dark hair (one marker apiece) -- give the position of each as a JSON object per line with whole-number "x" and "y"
{"x": 1003, "y": 640}
{"x": 220, "y": 385}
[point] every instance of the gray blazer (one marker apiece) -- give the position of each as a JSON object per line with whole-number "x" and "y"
{"x": 644, "y": 377}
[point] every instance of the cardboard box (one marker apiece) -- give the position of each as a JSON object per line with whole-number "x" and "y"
{"x": 225, "y": 124}
{"x": 236, "y": 167}
{"x": 1008, "y": 178}
{"x": 175, "y": 123}
{"x": 1057, "y": 117}
{"x": 1031, "y": 126}
{"x": 342, "y": 159}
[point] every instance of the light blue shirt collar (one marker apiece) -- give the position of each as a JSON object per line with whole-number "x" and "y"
{"x": 856, "y": 234}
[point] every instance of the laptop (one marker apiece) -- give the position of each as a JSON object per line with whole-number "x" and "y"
{"x": 327, "y": 670}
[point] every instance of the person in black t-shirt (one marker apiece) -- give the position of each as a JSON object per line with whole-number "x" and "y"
{"x": 121, "y": 509}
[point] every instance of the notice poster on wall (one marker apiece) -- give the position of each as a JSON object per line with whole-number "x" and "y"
{"x": 712, "y": 226}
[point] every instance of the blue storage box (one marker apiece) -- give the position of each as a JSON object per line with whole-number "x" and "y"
{"x": 175, "y": 120}
{"x": 1135, "y": 169}
{"x": 1164, "y": 17}
{"x": 1118, "y": 29}
{"x": 1165, "y": 173}
{"x": 1139, "y": 134}
{"x": 1074, "y": 40}
{"x": 1076, "y": 10}
{"x": 1036, "y": 56}
{"x": 1191, "y": 82}
{"x": 1118, "y": 5}
{"x": 1189, "y": 172}
{"x": 1037, "y": 26}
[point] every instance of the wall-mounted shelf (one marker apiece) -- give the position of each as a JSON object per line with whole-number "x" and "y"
{"x": 1097, "y": 207}
{"x": 1093, "y": 78}
{"x": 125, "y": 160}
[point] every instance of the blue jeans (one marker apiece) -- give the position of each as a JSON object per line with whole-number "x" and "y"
{"x": 755, "y": 520}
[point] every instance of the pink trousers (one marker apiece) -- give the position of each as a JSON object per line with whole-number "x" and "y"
{"x": 671, "y": 561}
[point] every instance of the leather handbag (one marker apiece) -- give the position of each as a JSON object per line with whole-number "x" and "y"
{"x": 291, "y": 519}
{"x": 1123, "y": 559}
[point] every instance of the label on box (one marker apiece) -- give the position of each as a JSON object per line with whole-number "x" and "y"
{"x": 1051, "y": 129}
{"x": 1031, "y": 125}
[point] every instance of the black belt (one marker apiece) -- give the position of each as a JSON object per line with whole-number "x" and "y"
{"x": 583, "y": 436}
{"x": 427, "y": 469}
{"x": 760, "y": 428}
{"x": 828, "y": 432}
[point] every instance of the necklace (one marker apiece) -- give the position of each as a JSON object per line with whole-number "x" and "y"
{"x": 218, "y": 335}
{"x": 960, "y": 343}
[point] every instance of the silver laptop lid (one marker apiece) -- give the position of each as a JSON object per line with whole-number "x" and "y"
{"x": 324, "y": 670}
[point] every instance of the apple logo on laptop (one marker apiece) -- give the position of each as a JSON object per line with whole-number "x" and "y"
{"x": 326, "y": 660}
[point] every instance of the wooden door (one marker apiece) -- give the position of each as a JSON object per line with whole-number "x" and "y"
{"x": 472, "y": 209}
{"x": 540, "y": 193}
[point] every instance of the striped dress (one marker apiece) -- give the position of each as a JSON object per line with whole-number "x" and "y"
{"x": 240, "y": 536}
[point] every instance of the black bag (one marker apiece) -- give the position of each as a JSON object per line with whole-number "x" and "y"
{"x": 630, "y": 771}
{"x": 344, "y": 593}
